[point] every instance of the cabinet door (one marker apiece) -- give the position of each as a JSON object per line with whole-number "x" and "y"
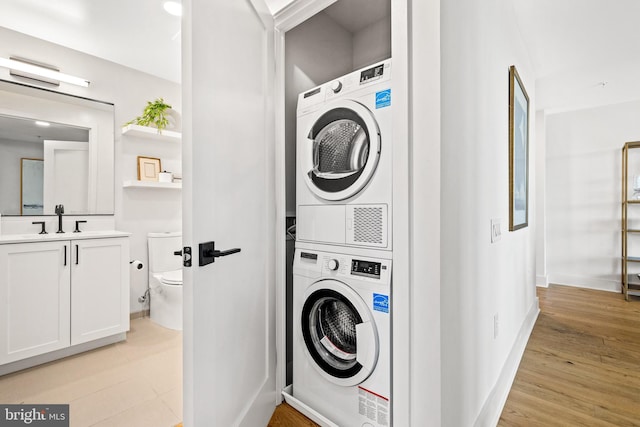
{"x": 99, "y": 288}
{"x": 34, "y": 299}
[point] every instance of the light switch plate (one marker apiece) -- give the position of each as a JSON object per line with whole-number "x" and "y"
{"x": 496, "y": 233}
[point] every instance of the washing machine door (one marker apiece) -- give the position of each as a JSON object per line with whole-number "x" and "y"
{"x": 342, "y": 152}
{"x": 339, "y": 333}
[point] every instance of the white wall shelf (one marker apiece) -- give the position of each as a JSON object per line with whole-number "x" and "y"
{"x": 151, "y": 133}
{"x": 152, "y": 184}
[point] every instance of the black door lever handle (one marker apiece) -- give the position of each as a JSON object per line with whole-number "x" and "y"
{"x": 217, "y": 254}
{"x": 208, "y": 253}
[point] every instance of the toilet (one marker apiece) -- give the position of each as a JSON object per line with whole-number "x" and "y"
{"x": 165, "y": 279}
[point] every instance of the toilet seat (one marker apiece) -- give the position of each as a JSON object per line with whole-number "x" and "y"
{"x": 171, "y": 278}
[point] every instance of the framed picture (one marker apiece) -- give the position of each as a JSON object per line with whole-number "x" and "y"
{"x": 518, "y": 152}
{"x": 148, "y": 168}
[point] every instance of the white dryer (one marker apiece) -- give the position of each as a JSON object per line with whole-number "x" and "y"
{"x": 342, "y": 337}
{"x": 344, "y": 160}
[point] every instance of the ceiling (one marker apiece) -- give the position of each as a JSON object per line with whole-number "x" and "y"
{"x": 584, "y": 52}
{"x": 577, "y": 45}
{"x": 135, "y": 33}
{"x": 26, "y": 130}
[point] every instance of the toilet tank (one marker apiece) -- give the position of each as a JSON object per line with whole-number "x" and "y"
{"x": 161, "y": 249}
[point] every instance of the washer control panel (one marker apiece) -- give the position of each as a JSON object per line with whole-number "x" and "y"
{"x": 313, "y": 263}
{"x": 366, "y": 268}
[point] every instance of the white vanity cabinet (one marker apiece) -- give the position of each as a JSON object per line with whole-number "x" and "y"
{"x": 99, "y": 288}
{"x": 34, "y": 299}
{"x": 55, "y": 295}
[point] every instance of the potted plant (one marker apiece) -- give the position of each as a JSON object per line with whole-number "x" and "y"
{"x": 155, "y": 114}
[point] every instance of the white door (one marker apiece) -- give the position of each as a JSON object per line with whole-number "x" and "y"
{"x": 68, "y": 177}
{"x": 229, "y": 305}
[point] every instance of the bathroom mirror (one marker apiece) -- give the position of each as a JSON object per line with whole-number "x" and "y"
{"x": 54, "y": 149}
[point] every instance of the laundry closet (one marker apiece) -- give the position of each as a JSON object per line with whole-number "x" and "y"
{"x": 348, "y": 35}
{"x": 248, "y": 109}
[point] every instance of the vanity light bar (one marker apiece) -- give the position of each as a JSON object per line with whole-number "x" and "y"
{"x": 12, "y": 64}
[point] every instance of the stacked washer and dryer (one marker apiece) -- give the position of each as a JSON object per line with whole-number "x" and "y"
{"x": 342, "y": 266}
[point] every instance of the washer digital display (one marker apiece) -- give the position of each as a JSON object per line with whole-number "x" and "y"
{"x": 365, "y": 268}
{"x": 372, "y": 73}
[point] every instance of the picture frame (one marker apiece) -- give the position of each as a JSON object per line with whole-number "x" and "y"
{"x": 148, "y": 168}
{"x": 518, "y": 152}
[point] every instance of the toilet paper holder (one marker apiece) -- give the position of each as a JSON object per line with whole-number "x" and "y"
{"x": 137, "y": 264}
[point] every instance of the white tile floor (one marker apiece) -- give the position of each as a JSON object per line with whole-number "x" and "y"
{"x": 135, "y": 383}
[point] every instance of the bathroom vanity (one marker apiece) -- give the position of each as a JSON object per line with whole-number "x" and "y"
{"x": 61, "y": 294}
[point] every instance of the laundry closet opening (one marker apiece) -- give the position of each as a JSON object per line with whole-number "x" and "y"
{"x": 348, "y": 35}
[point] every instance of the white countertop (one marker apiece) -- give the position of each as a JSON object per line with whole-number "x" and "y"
{"x": 30, "y": 238}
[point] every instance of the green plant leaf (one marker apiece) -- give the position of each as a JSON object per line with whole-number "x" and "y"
{"x": 153, "y": 115}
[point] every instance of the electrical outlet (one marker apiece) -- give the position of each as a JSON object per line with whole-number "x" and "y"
{"x": 496, "y": 234}
{"x": 496, "y": 326}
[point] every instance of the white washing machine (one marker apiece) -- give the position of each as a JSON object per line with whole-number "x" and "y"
{"x": 344, "y": 160}
{"x": 342, "y": 337}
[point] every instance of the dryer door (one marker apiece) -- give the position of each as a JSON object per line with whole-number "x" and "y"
{"x": 339, "y": 333}
{"x": 342, "y": 150}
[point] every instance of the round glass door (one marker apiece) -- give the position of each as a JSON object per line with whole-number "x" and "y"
{"x": 334, "y": 322}
{"x": 345, "y": 152}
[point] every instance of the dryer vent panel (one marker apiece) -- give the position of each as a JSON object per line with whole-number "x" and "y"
{"x": 367, "y": 225}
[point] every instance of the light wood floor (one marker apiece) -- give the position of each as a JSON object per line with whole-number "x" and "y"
{"x": 135, "y": 383}
{"x": 581, "y": 366}
{"x": 286, "y": 416}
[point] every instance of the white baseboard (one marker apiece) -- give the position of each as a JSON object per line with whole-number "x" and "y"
{"x": 585, "y": 282}
{"x": 542, "y": 281}
{"x": 492, "y": 408}
{"x": 304, "y": 409}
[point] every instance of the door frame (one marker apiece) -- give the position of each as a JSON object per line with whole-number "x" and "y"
{"x": 285, "y": 20}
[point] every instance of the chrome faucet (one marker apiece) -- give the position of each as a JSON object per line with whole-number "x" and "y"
{"x": 59, "y": 211}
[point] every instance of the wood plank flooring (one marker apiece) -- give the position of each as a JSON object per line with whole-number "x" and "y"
{"x": 581, "y": 366}
{"x": 286, "y": 416}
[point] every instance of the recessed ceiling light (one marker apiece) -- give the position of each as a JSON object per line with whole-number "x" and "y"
{"x": 173, "y": 8}
{"x": 43, "y": 124}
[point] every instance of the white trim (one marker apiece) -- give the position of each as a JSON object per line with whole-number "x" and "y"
{"x": 542, "y": 281}
{"x": 585, "y": 282}
{"x": 296, "y": 12}
{"x": 493, "y": 406}
{"x": 304, "y": 409}
{"x": 281, "y": 214}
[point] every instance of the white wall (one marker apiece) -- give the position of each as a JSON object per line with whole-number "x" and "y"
{"x": 136, "y": 211}
{"x": 480, "y": 41}
{"x": 583, "y": 193}
{"x": 372, "y": 44}
{"x": 12, "y": 152}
